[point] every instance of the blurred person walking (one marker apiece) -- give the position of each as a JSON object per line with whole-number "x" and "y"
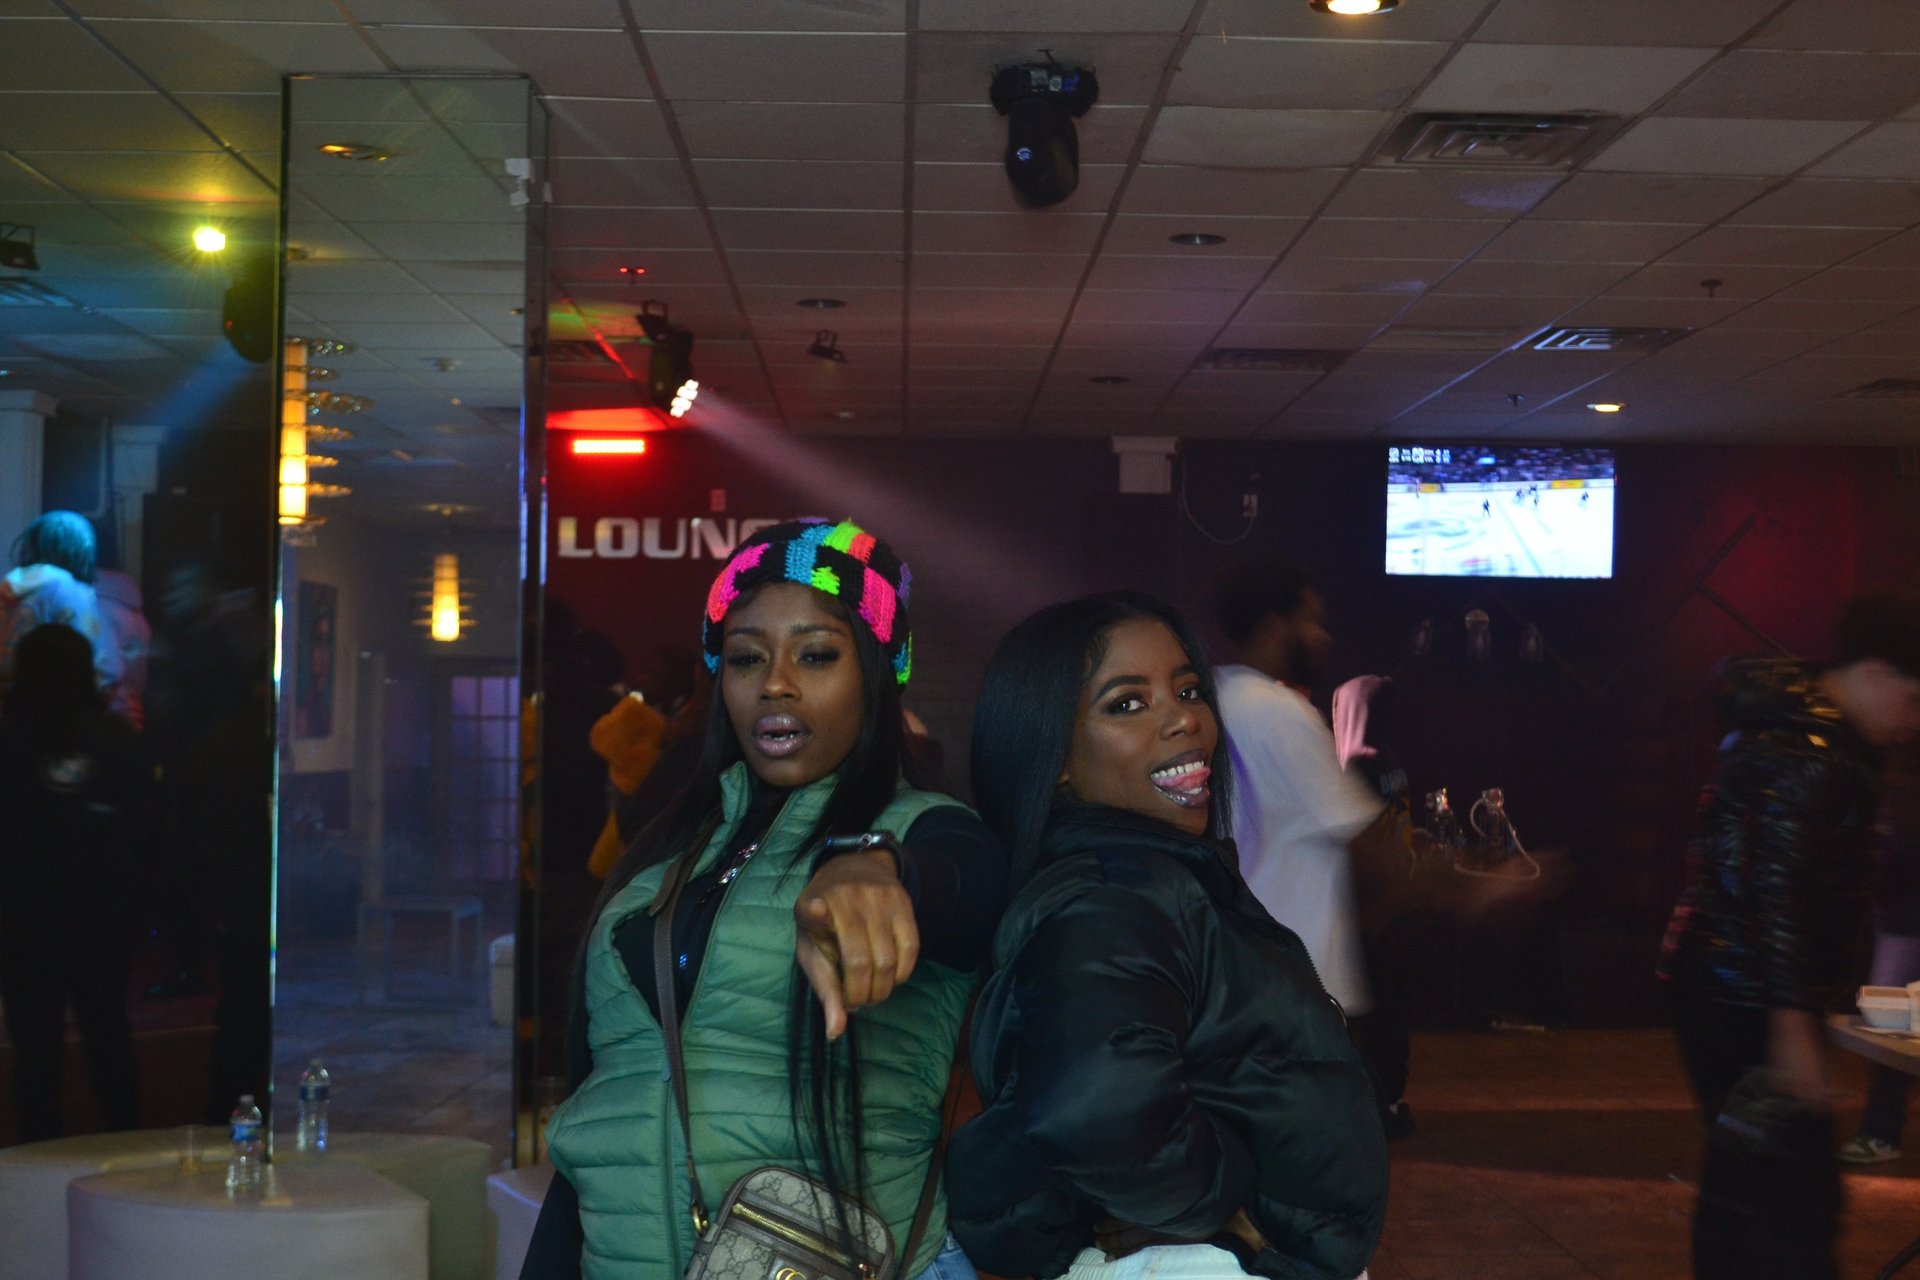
{"x": 75, "y": 791}
{"x": 52, "y": 581}
{"x": 1772, "y": 932}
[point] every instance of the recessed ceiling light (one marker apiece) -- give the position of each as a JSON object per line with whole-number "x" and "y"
{"x": 1109, "y": 379}
{"x": 1197, "y": 238}
{"x": 1355, "y": 8}
{"x": 632, "y": 272}
{"x": 821, "y": 304}
{"x": 209, "y": 239}
{"x": 1606, "y": 406}
{"x": 353, "y": 151}
{"x": 845, "y": 415}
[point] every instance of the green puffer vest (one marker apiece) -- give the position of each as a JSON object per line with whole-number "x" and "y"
{"x": 617, "y": 1139}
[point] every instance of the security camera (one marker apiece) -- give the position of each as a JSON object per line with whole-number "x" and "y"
{"x": 1041, "y": 100}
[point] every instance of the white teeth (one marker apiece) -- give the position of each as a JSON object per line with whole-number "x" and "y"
{"x": 1172, "y": 776}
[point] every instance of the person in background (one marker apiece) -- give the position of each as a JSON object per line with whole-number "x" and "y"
{"x": 821, "y": 991}
{"x": 1773, "y": 931}
{"x": 1296, "y": 815}
{"x": 120, "y": 616}
{"x": 76, "y": 793}
{"x": 1168, "y": 1090}
{"x": 1896, "y": 951}
{"x": 53, "y": 582}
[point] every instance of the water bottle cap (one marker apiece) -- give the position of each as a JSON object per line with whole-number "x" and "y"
{"x": 246, "y": 1098}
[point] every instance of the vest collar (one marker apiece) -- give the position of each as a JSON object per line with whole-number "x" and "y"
{"x": 803, "y": 805}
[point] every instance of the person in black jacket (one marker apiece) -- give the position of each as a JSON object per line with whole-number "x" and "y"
{"x": 1165, "y": 1079}
{"x": 75, "y": 795}
{"x": 1773, "y": 931}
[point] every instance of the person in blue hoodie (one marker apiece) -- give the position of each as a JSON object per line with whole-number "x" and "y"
{"x": 53, "y": 582}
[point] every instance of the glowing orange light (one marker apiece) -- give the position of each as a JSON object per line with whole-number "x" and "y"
{"x": 609, "y": 444}
{"x": 626, "y": 421}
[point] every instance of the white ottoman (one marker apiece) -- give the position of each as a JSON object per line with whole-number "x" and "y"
{"x": 514, "y": 1197}
{"x": 500, "y": 983}
{"x": 450, "y": 1174}
{"x": 33, "y": 1191}
{"x": 320, "y": 1222}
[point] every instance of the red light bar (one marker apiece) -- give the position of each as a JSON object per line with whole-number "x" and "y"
{"x": 609, "y": 444}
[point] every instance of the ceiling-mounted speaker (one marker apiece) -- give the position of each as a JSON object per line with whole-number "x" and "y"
{"x": 247, "y": 312}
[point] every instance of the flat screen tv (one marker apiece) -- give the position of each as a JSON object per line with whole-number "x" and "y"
{"x": 1499, "y": 511}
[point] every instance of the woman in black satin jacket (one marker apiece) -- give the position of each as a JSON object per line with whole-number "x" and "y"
{"x": 1160, "y": 1066}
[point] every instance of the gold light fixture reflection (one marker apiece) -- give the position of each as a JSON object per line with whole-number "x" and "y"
{"x": 444, "y": 621}
{"x": 293, "y": 436}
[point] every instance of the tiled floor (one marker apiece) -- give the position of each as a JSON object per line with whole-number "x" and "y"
{"x": 1573, "y": 1154}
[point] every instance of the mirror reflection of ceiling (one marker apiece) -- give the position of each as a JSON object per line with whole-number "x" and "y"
{"x": 406, "y": 239}
{"x": 754, "y": 153}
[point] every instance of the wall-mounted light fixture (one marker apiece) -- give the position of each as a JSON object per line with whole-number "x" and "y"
{"x": 443, "y": 622}
{"x": 293, "y": 435}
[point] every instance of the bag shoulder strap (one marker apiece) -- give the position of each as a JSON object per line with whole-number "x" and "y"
{"x": 664, "y": 905}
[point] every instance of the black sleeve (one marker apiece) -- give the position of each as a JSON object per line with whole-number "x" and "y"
{"x": 956, "y": 873}
{"x": 554, "y": 1252}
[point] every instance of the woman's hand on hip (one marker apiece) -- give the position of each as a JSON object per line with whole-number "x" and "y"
{"x": 856, "y": 937}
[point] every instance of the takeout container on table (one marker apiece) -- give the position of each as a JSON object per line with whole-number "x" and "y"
{"x": 1890, "y": 1008}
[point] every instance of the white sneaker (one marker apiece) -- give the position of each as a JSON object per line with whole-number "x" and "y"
{"x": 1865, "y": 1150}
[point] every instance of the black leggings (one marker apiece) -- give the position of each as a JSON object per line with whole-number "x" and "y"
{"x": 40, "y": 972}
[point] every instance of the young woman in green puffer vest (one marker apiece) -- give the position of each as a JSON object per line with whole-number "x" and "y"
{"x": 820, "y": 996}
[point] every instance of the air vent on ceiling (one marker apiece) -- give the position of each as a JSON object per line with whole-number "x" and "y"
{"x": 18, "y": 291}
{"x": 1600, "y": 338}
{"x": 1270, "y": 359}
{"x": 1886, "y": 389}
{"x": 1497, "y": 141}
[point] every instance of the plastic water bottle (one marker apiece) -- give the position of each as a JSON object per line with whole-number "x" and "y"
{"x": 315, "y": 1084}
{"x": 248, "y": 1150}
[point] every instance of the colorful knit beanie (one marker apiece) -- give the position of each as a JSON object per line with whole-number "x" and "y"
{"x": 841, "y": 560}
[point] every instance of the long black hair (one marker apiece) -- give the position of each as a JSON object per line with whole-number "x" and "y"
{"x": 824, "y": 1085}
{"x": 1024, "y": 718}
{"x": 53, "y": 691}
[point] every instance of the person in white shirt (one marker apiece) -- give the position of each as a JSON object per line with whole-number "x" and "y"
{"x": 1295, "y": 811}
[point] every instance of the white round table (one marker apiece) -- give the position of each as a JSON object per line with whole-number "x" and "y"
{"x": 450, "y": 1174}
{"x": 33, "y": 1191}
{"x": 317, "y": 1222}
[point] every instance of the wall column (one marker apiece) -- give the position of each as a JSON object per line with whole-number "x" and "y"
{"x": 136, "y": 473}
{"x": 23, "y": 435}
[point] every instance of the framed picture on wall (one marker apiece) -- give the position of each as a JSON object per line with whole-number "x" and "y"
{"x": 313, "y": 660}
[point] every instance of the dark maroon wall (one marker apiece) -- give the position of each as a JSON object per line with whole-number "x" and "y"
{"x": 1599, "y": 749}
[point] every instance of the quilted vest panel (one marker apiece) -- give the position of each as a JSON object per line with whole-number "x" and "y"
{"x": 617, "y": 1139}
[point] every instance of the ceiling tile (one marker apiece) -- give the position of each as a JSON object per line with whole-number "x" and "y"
{"x": 579, "y": 180}
{"x": 977, "y": 134}
{"x": 1733, "y": 351}
{"x": 1328, "y": 337}
{"x": 808, "y": 229}
{"x": 1168, "y": 188}
{"x": 1672, "y": 145}
{"x": 957, "y": 67}
{"x": 936, "y": 232}
{"x": 1830, "y": 317}
{"x": 1776, "y": 85}
{"x": 1696, "y": 23}
{"x": 446, "y": 242}
{"x": 1403, "y": 276}
{"x": 1269, "y": 307}
{"x": 1852, "y": 25}
{"x": 1744, "y": 281}
{"x": 1816, "y": 202}
{"x": 1776, "y": 246}
{"x": 1542, "y": 279}
{"x": 1540, "y": 241}
{"x": 997, "y": 270}
{"x": 1245, "y": 237}
{"x": 1158, "y": 271}
{"x": 54, "y": 54}
{"x": 1010, "y": 358}
{"x": 983, "y": 188}
{"x": 1440, "y": 193}
{"x": 791, "y": 130}
{"x": 607, "y": 127}
{"x": 1394, "y": 238}
{"x": 97, "y": 122}
{"x": 1053, "y": 15}
{"x": 305, "y": 278}
{"x": 1847, "y": 284}
{"x": 478, "y": 13}
{"x": 763, "y": 15}
{"x": 1888, "y": 151}
{"x": 212, "y": 177}
{"x": 407, "y": 308}
{"x": 1484, "y": 312}
{"x": 713, "y": 66}
{"x": 989, "y": 308}
{"x": 624, "y": 228}
{"x": 1320, "y": 74}
{"x": 1634, "y": 197}
{"x": 1176, "y": 306}
{"x": 601, "y": 267}
{"x": 1429, "y": 20}
{"x": 1901, "y": 253}
{"x": 1262, "y": 139}
{"x": 1543, "y": 78}
{"x": 1653, "y": 313}
{"x": 232, "y": 57}
{"x": 244, "y": 121}
{"x": 800, "y": 184}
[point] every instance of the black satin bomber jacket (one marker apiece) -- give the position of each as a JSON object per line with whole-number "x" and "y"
{"x": 1776, "y": 912}
{"x": 1153, "y": 1047}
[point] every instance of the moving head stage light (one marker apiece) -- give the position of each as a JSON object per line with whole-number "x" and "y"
{"x": 670, "y": 381}
{"x": 1041, "y": 100}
